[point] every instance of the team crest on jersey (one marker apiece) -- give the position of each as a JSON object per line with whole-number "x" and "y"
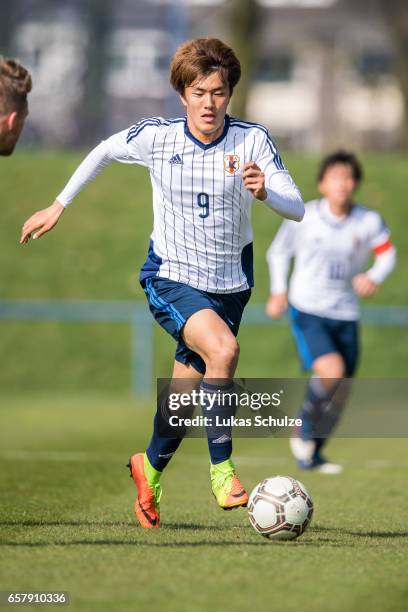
{"x": 231, "y": 163}
{"x": 356, "y": 242}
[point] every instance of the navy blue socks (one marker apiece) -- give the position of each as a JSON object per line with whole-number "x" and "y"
{"x": 218, "y": 405}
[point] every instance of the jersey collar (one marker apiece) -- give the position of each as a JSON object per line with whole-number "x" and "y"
{"x": 210, "y": 144}
{"x": 328, "y": 217}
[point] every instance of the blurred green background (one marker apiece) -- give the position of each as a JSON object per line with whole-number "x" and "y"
{"x": 69, "y": 422}
{"x": 95, "y": 254}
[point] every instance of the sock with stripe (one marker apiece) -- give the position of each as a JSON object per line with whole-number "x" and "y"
{"x": 215, "y": 403}
{"x": 161, "y": 447}
{"x": 313, "y": 405}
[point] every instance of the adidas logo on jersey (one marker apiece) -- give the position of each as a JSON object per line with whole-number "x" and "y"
{"x": 176, "y": 159}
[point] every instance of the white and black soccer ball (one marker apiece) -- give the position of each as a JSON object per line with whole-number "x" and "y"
{"x": 280, "y": 508}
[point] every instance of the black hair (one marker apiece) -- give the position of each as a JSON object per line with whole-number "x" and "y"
{"x": 341, "y": 157}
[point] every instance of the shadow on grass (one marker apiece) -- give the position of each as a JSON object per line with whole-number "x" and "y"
{"x": 79, "y": 523}
{"x": 316, "y": 541}
{"x": 196, "y": 544}
{"x": 317, "y": 536}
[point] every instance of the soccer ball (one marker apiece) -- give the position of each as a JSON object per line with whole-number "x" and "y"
{"x": 280, "y": 508}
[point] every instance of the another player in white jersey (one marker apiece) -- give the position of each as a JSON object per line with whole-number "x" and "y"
{"x": 330, "y": 250}
{"x": 205, "y": 170}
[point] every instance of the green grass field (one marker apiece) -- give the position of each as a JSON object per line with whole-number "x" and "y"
{"x": 67, "y": 524}
{"x": 68, "y": 425}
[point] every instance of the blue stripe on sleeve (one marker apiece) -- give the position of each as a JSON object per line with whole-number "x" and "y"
{"x": 136, "y": 129}
{"x": 247, "y": 125}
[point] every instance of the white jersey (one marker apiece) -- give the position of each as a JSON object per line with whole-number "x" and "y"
{"x": 202, "y": 233}
{"x": 329, "y": 251}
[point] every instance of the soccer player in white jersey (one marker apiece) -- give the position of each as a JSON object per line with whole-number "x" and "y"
{"x": 205, "y": 170}
{"x": 330, "y": 250}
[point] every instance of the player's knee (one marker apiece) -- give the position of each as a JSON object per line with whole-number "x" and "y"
{"x": 338, "y": 368}
{"x": 330, "y": 366}
{"x": 224, "y": 353}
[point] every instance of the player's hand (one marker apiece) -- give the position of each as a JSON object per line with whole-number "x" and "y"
{"x": 254, "y": 180}
{"x": 364, "y": 286}
{"x": 276, "y": 305}
{"x": 41, "y": 222}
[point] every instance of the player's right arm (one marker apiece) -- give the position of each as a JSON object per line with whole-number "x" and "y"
{"x": 41, "y": 222}
{"x": 278, "y": 257}
{"x": 129, "y": 146}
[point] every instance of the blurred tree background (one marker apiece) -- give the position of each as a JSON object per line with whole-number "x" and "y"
{"x": 317, "y": 73}
{"x": 396, "y": 16}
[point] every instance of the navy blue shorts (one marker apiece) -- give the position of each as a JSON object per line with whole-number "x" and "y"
{"x": 316, "y": 336}
{"x": 172, "y": 303}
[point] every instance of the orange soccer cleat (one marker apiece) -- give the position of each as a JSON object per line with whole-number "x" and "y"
{"x": 147, "y": 504}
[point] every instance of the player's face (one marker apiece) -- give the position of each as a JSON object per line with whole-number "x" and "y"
{"x": 206, "y": 102}
{"x": 11, "y": 126}
{"x": 338, "y": 185}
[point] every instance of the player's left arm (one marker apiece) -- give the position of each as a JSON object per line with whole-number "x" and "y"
{"x": 269, "y": 181}
{"x": 385, "y": 258}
